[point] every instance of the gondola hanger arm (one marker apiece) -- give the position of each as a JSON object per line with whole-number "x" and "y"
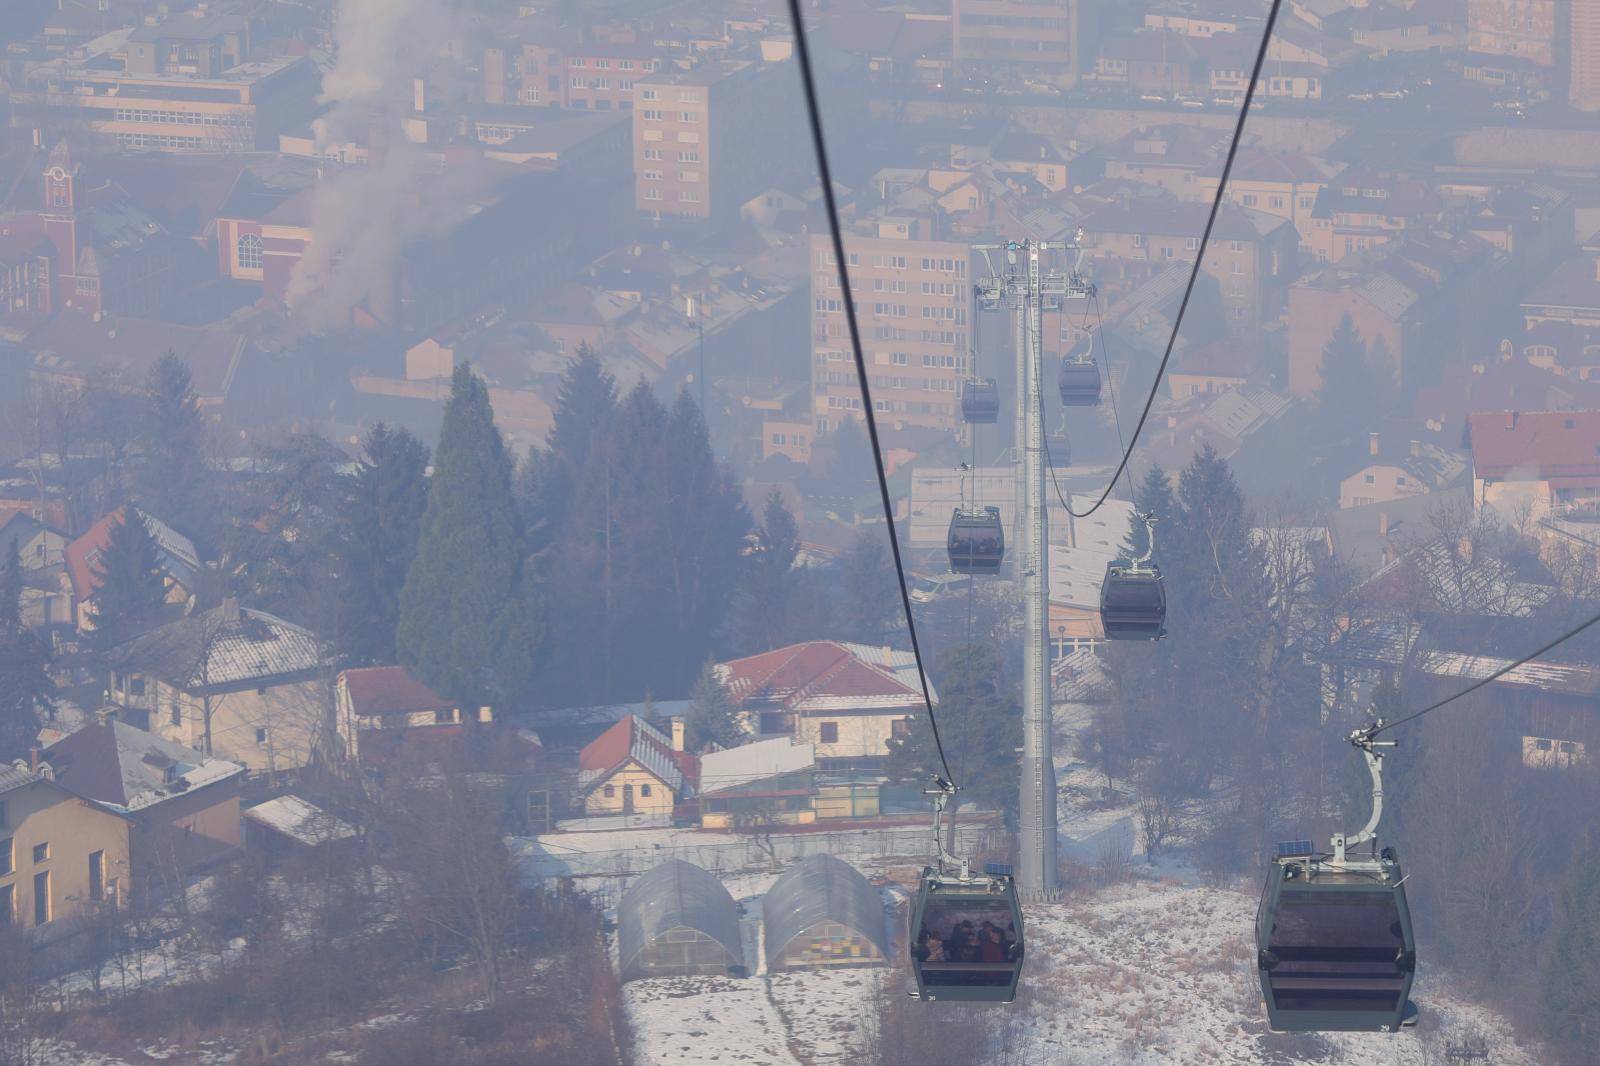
{"x": 1364, "y": 740}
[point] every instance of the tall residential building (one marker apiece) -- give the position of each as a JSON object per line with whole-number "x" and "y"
{"x": 707, "y": 139}
{"x": 1585, "y": 84}
{"x": 1037, "y": 39}
{"x": 913, "y": 297}
{"x": 1513, "y": 29}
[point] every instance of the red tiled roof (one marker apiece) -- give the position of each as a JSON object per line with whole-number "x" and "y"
{"x": 389, "y": 690}
{"x": 815, "y": 670}
{"x": 1534, "y": 445}
{"x": 52, "y": 513}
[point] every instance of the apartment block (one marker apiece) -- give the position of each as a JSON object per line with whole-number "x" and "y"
{"x": 913, "y": 298}
{"x": 242, "y": 109}
{"x": 1513, "y": 29}
{"x": 1032, "y": 38}
{"x": 598, "y": 76}
{"x": 1584, "y": 93}
{"x": 707, "y": 139}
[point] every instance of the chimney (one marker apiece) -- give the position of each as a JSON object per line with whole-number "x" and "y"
{"x": 1383, "y": 523}
{"x": 1372, "y": 444}
{"x": 677, "y": 732}
{"x": 485, "y": 715}
{"x": 419, "y": 95}
{"x": 1416, "y": 449}
{"x": 1511, "y": 420}
{"x": 35, "y": 757}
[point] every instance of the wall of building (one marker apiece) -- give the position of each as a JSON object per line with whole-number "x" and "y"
{"x": 276, "y": 727}
{"x": 41, "y": 813}
{"x": 858, "y": 736}
{"x": 634, "y": 777}
{"x": 186, "y": 832}
{"x": 1387, "y": 483}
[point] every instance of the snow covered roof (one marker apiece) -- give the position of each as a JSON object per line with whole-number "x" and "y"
{"x": 13, "y": 777}
{"x": 223, "y": 646}
{"x": 722, "y": 770}
{"x": 816, "y": 890}
{"x": 300, "y": 821}
{"x": 127, "y": 768}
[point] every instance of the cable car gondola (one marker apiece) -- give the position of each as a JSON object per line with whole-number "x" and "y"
{"x": 977, "y": 543}
{"x": 980, "y": 401}
{"x": 1080, "y": 375}
{"x": 1133, "y": 598}
{"x": 1334, "y": 944}
{"x": 966, "y": 939}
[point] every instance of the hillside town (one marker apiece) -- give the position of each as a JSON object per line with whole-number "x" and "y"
{"x": 476, "y": 585}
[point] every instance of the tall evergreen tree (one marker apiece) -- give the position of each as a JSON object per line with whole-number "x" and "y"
{"x": 25, "y": 686}
{"x": 386, "y": 500}
{"x": 468, "y": 621}
{"x": 980, "y": 725}
{"x": 1351, "y": 391}
{"x": 173, "y": 481}
{"x": 761, "y": 615}
{"x": 1155, "y": 498}
{"x": 868, "y": 599}
{"x": 586, "y": 409}
{"x": 130, "y": 582}
{"x": 713, "y": 716}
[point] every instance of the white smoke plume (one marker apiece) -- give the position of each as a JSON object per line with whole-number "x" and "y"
{"x": 362, "y": 216}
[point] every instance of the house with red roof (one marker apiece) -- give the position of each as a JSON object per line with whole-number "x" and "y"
{"x": 847, "y": 699}
{"x": 380, "y": 710}
{"x": 634, "y": 768}
{"x": 1535, "y": 464}
{"x": 180, "y": 563}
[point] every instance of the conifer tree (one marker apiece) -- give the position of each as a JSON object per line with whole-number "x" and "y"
{"x": 869, "y": 601}
{"x": 25, "y": 686}
{"x": 173, "y": 481}
{"x": 467, "y": 620}
{"x": 129, "y": 579}
{"x": 387, "y": 498}
{"x": 713, "y": 716}
{"x": 1155, "y": 498}
{"x": 761, "y": 615}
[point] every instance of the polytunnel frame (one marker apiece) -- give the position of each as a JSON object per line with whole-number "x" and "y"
{"x": 821, "y": 888}
{"x": 677, "y": 895}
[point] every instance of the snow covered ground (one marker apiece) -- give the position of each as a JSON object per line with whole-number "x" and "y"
{"x": 1144, "y": 973}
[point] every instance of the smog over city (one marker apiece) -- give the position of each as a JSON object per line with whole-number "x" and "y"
{"x": 799, "y": 532}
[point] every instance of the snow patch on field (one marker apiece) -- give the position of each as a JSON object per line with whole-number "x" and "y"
{"x": 685, "y": 1021}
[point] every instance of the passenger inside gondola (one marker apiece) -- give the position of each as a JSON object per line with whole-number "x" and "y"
{"x": 968, "y": 943}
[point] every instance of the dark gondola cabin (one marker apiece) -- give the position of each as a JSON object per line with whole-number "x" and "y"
{"x": 980, "y": 401}
{"x": 966, "y": 937}
{"x": 1334, "y": 946}
{"x": 976, "y": 542}
{"x": 1133, "y": 602}
{"x": 1080, "y": 383}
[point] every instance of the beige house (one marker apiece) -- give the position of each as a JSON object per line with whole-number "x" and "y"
{"x": 257, "y": 681}
{"x": 633, "y": 768}
{"x": 848, "y": 700}
{"x": 62, "y": 857}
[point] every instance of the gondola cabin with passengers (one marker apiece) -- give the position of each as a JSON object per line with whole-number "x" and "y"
{"x": 976, "y": 542}
{"x": 1133, "y": 597}
{"x": 980, "y": 401}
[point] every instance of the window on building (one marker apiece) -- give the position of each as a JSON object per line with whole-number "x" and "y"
{"x": 688, "y": 116}
{"x": 250, "y": 252}
{"x": 136, "y": 686}
{"x": 41, "y": 898}
{"x": 7, "y": 856}
{"x": 647, "y": 94}
{"x": 830, "y": 732}
{"x": 1370, "y": 479}
{"x": 644, "y": 790}
{"x": 7, "y": 905}
{"x": 261, "y": 736}
{"x": 97, "y": 875}
{"x": 175, "y": 715}
{"x": 610, "y": 791}
{"x": 41, "y": 852}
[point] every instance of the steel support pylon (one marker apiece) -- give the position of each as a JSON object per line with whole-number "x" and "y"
{"x": 1021, "y": 283}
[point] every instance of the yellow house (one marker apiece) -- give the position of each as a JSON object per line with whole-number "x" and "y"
{"x": 62, "y": 857}
{"x": 633, "y": 768}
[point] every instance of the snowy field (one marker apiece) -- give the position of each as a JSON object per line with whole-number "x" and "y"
{"x": 1139, "y": 974}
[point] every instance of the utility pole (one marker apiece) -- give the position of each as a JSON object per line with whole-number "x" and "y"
{"x": 1022, "y": 283}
